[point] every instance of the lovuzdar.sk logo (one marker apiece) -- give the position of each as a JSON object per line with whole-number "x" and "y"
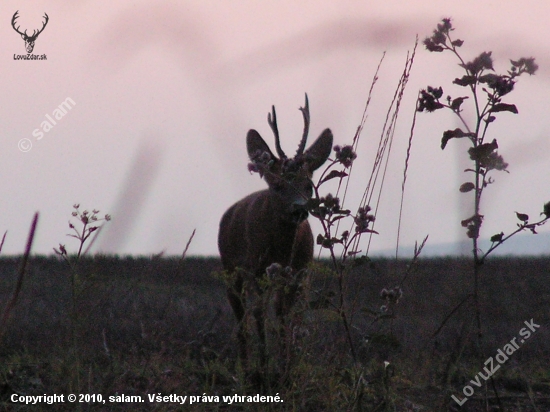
{"x": 29, "y": 39}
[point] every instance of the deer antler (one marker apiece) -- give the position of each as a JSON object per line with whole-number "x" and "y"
{"x": 34, "y": 33}
{"x": 272, "y": 120}
{"x": 15, "y": 17}
{"x": 43, "y": 26}
{"x": 305, "y": 113}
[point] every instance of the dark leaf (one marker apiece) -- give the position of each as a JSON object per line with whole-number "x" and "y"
{"x": 437, "y": 92}
{"x": 336, "y": 218}
{"x": 465, "y": 80}
{"x": 498, "y": 237}
{"x": 522, "y": 216}
{"x": 432, "y": 46}
{"x": 504, "y": 107}
{"x": 467, "y": 187}
{"x": 546, "y": 210}
{"x": 489, "y": 78}
{"x": 482, "y": 151}
{"x": 455, "y": 105}
{"x": 456, "y": 133}
{"x": 457, "y": 43}
{"x": 333, "y": 174}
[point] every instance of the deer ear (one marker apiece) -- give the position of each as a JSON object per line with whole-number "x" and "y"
{"x": 255, "y": 143}
{"x": 319, "y": 151}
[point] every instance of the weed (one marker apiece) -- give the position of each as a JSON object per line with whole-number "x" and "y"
{"x": 487, "y": 93}
{"x": 89, "y": 225}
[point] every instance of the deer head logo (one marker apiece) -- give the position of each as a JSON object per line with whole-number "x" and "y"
{"x": 29, "y": 40}
{"x": 269, "y": 228}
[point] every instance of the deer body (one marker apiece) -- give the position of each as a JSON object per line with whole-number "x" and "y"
{"x": 254, "y": 234}
{"x": 270, "y": 226}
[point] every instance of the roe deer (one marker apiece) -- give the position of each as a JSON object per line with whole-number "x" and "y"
{"x": 270, "y": 226}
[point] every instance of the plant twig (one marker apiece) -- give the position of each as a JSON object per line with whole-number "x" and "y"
{"x": 187, "y": 245}
{"x": 3, "y": 239}
{"x": 20, "y": 275}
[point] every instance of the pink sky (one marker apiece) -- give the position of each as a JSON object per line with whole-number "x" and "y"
{"x": 165, "y": 92}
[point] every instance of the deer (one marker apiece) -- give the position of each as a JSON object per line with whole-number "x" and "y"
{"x": 29, "y": 40}
{"x": 269, "y": 228}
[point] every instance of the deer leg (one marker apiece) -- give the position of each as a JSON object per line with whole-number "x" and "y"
{"x": 260, "y": 326}
{"x": 235, "y": 297}
{"x": 285, "y": 298}
{"x": 281, "y": 312}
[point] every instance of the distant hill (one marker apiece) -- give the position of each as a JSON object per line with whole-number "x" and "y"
{"x": 520, "y": 245}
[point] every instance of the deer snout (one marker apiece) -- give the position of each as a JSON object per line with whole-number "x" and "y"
{"x": 298, "y": 207}
{"x": 298, "y": 211}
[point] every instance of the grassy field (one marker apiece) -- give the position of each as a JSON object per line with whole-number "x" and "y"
{"x": 149, "y": 326}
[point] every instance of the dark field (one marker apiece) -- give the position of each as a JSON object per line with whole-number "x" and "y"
{"x": 139, "y": 326}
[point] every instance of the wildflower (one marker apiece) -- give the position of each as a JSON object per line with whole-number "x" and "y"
{"x": 261, "y": 161}
{"x": 273, "y": 270}
{"x": 524, "y": 65}
{"x": 345, "y": 155}
{"x": 429, "y": 99}
{"x": 331, "y": 203}
{"x": 392, "y": 295}
{"x": 500, "y": 84}
{"x": 482, "y": 62}
{"x": 363, "y": 219}
{"x": 472, "y": 224}
{"x": 438, "y": 41}
{"x": 398, "y": 293}
{"x": 61, "y": 251}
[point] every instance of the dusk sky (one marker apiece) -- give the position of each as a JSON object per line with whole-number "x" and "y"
{"x": 165, "y": 92}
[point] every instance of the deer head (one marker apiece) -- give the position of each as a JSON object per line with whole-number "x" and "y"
{"x": 29, "y": 40}
{"x": 289, "y": 179}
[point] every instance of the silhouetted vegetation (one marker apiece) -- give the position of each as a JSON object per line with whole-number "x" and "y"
{"x": 150, "y": 325}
